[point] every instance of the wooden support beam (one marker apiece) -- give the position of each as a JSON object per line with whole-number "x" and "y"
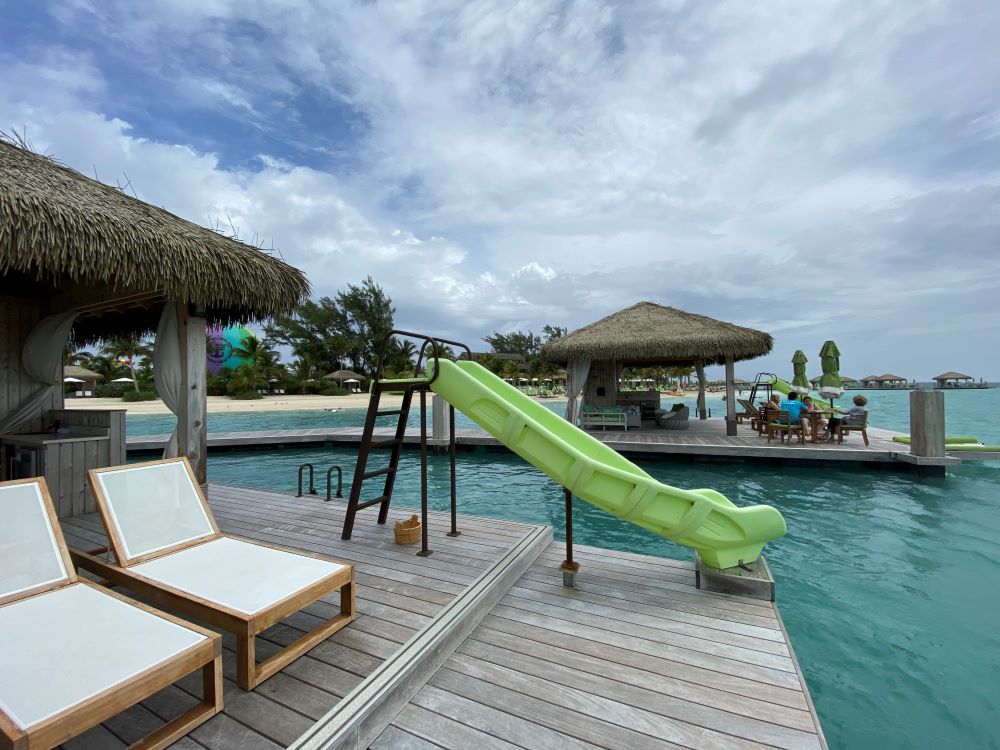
{"x": 730, "y": 397}
{"x": 927, "y": 423}
{"x": 699, "y": 368}
{"x": 192, "y": 436}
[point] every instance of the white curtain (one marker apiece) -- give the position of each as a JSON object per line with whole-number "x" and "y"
{"x": 576, "y": 379}
{"x": 167, "y": 368}
{"x": 42, "y": 360}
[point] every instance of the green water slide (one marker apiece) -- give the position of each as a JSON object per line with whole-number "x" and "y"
{"x": 705, "y": 520}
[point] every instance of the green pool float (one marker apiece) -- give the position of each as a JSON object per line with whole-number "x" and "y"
{"x": 722, "y": 533}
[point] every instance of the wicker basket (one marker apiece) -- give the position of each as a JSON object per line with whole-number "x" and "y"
{"x": 407, "y": 532}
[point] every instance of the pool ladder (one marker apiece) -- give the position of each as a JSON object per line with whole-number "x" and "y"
{"x": 329, "y": 482}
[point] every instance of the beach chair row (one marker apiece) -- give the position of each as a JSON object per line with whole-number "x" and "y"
{"x": 75, "y": 653}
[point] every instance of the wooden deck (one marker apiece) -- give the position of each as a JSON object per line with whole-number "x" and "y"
{"x": 398, "y": 594}
{"x": 635, "y": 656}
{"x": 705, "y": 440}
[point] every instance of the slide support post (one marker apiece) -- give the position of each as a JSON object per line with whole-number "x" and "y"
{"x": 424, "y": 552}
{"x": 451, "y": 456}
{"x": 569, "y": 568}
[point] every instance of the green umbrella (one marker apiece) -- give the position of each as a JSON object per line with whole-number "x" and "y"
{"x": 829, "y": 384}
{"x": 800, "y": 382}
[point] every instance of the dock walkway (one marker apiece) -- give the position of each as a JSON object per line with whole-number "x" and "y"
{"x": 705, "y": 440}
{"x": 635, "y": 656}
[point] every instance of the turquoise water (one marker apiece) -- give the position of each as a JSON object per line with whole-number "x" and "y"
{"x": 889, "y": 584}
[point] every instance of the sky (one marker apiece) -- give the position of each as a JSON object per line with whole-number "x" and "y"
{"x": 821, "y": 170}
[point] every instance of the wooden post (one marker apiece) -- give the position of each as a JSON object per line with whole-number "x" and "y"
{"x": 927, "y": 423}
{"x": 191, "y": 427}
{"x": 730, "y": 397}
{"x": 699, "y": 368}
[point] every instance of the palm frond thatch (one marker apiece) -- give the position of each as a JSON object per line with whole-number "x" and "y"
{"x": 952, "y": 375}
{"x": 647, "y": 333}
{"x": 82, "y": 373}
{"x": 60, "y": 227}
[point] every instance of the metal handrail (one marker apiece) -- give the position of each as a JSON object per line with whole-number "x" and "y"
{"x": 312, "y": 486}
{"x": 340, "y": 483}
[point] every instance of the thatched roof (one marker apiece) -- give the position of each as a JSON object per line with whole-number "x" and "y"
{"x": 82, "y": 373}
{"x": 871, "y": 378}
{"x": 952, "y": 375}
{"x": 648, "y": 333}
{"x": 889, "y": 377}
{"x": 61, "y": 228}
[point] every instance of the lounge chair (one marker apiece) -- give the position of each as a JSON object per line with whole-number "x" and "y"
{"x": 73, "y": 654}
{"x": 603, "y": 417}
{"x": 855, "y": 425}
{"x": 167, "y": 547}
{"x": 780, "y": 422}
{"x": 675, "y": 419}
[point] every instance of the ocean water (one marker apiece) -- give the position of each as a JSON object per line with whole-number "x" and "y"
{"x": 889, "y": 584}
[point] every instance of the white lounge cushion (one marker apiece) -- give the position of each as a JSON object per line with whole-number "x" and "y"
{"x": 154, "y": 507}
{"x": 245, "y": 577}
{"x": 29, "y": 553}
{"x": 62, "y": 647}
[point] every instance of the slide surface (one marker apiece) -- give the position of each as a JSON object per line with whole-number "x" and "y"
{"x": 702, "y": 519}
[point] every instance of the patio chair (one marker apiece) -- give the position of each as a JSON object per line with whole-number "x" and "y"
{"x": 780, "y": 422}
{"x": 856, "y": 425}
{"x": 167, "y": 546}
{"x": 73, "y": 654}
{"x": 675, "y": 419}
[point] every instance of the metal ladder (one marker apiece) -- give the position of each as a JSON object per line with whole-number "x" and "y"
{"x": 765, "y": 381}
{"x": 408, "y": 386}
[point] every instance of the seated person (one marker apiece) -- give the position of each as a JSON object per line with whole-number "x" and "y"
{"x": 853, "y": 413}
{"x": 773, "y": 403}
{"x": 811, "y": 406}
{"x": 794, "y": 407}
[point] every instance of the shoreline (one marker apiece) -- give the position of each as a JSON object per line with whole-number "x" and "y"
{"x": 226, "y": 405}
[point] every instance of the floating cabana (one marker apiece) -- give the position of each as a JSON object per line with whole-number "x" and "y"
{"x": 651, "y": 335}
{"x": 892, "y": 381}
{"x": 952, "y": 379}
{"x": 80, "y": 259}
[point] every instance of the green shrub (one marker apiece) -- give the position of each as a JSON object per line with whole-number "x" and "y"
{"x": 134, "y": 395}
{"x": 333, "y": 390}
{"x": 246, "y": 395}
{"x": 112, "y": 390}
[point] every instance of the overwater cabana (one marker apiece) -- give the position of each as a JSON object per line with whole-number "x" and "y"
{"x": 889, "y": 380}
{"x": 84, "y": 261}
{"x": 952, "y": 379}
{"x": 651, "y": 335}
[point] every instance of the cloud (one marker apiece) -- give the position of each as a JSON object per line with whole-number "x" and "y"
{"x": 815, "y": 170}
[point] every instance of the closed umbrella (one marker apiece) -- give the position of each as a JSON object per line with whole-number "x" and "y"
{"x": 829, "y": 382}
{"x": 800, "y": 382}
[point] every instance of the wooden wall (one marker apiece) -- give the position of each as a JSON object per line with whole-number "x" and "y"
{"x": 602, "y": 374}
{"x": 17, "y": 318}
{"x": 66, "y": 464}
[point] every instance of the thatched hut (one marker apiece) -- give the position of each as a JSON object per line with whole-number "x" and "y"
{"x": 651, "y": 335}
{"x": 83, "y": 260}
{"x": 952, "y": 379}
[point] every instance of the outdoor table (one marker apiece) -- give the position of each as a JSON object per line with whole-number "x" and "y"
{"x": 814, "y": 417}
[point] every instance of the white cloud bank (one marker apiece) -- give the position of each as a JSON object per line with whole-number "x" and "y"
{"x": 816, "y": 170}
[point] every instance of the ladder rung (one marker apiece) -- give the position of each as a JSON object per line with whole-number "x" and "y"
{"x": 384, "y": 443}
{"x": 373, "y": 501}
{"x": 389, "y": 413}
{"x": 379, "y": 473}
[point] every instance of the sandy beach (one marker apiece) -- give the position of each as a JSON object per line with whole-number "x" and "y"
{"x": 224, "y": 404}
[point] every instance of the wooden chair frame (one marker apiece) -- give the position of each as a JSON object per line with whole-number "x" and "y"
{"x": 249, "y": 672}
{"x": 783, "y": 424}
{"x": 206, "y": 656}
{"x": 845, "y": 428}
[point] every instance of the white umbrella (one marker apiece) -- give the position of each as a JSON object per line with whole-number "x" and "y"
{"x": 352, "y": 380}
{"x": 73, "y": 380}
{"x": 123, "y": 380}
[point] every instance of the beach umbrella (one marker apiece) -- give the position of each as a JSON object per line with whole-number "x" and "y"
{"x": 73, "y": 380}
{"x": 352, "y": 380}
{"x": 829, "y": 382}
{"x": 123, "y": 380}
{"x": 800, "y": 383}
{"x": 344, "y": 376}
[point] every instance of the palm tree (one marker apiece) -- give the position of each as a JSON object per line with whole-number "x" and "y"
{"x": 75, "y": 355}
{"x": 262, "y": 363}
{"x": 400, "y": 356}
{"x": 105, "y": 366}
{"x": 130, "y": 349}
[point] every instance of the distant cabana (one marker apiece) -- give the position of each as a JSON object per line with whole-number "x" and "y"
{"x": 651, "y": 335}
{"x": 952, "y": 379}
{"x": 82, "y": 260}
{"x": 892, "y": 381}
{"x": 86, "y": 378}
{"x": 871, "y": 381}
